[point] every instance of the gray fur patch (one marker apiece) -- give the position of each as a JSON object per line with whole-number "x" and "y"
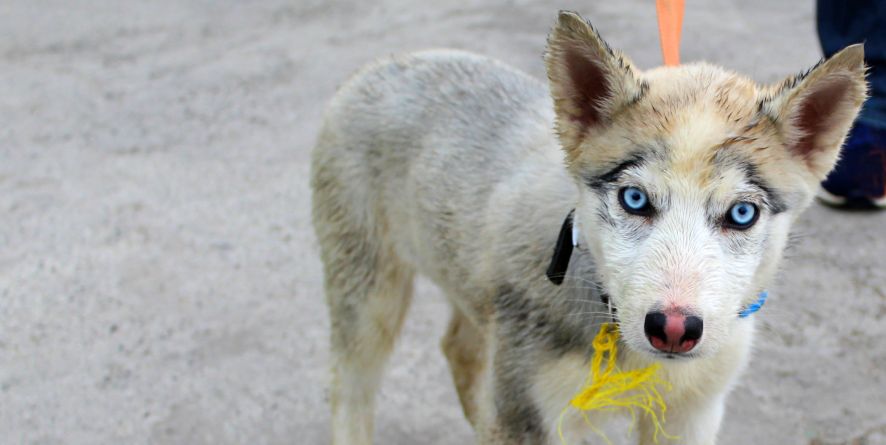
{"x": 524, "y": 322}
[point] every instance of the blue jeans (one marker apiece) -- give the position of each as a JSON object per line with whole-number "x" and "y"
{"x": 844, "y": 22}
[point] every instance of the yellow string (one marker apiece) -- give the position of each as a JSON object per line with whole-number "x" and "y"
{"x": 609, "y": 389}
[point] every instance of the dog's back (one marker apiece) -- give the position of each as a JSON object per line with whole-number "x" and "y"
{"x": 417, "y": 150}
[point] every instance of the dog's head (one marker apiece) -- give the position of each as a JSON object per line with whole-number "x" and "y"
{"x": 690, "y": 177}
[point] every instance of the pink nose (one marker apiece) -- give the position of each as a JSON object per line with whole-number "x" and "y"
{"x": 673, "y": 332}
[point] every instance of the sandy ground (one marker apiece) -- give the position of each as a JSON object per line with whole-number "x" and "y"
{"x": 159, "y": 279}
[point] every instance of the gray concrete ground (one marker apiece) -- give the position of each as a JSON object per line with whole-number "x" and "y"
{"x": 159, "y": 280}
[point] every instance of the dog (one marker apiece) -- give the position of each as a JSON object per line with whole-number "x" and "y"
{"x": 680, "y": 185}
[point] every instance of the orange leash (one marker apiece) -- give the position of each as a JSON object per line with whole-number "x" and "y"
{"x": 670, "y": 21}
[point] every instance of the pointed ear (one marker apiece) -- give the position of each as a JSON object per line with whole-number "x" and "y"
{"x": 814, "y": 111}
{"x": 589, "y": 81}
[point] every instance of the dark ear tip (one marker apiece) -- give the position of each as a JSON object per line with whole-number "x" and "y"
{"x": 851, "y": 56}
{"x": 856, "y": 47}
{"x": 571, "y": 20}
{"x": 565, "y": 14}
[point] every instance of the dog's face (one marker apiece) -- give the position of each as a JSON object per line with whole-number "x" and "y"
{"x": 690, "y": 178}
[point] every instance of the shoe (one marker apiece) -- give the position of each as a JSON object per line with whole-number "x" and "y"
{"x": 859, "y": 179}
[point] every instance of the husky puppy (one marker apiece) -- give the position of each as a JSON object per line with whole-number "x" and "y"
{"x": 681, "y": 184}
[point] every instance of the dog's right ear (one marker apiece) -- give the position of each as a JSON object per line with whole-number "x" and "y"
{"x": 589, "y": 81}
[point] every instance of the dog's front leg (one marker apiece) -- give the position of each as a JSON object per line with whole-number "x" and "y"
{"x": 691, "y": 421}
{"x": 507, "y": 412}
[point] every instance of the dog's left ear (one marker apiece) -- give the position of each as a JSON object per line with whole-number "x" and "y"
{"x": 814, "y": 111}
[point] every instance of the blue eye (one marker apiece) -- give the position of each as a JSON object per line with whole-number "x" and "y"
{"x": 634, "y": 201}
{"x": 742, "y": 215}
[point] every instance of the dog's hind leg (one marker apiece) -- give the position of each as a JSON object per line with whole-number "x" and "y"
{"x": 368, "y": 291}
{"x": 465, "y": 348}
{"x": 366, "y": 311}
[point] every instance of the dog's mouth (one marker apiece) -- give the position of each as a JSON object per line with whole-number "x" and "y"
{"x": 673, "y": 356}
{"x": 661, "y": 356}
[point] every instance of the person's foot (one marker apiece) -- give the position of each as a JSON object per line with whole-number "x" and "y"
{"x": 859, "y": 179}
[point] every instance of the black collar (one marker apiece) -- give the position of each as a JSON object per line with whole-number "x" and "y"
{"x": 562, "y": 252}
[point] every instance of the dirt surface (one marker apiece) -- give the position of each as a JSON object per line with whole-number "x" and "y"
{"x": 159, "y": 278}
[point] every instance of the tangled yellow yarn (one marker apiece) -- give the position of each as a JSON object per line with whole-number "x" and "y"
{"x": 607, "y": 388}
